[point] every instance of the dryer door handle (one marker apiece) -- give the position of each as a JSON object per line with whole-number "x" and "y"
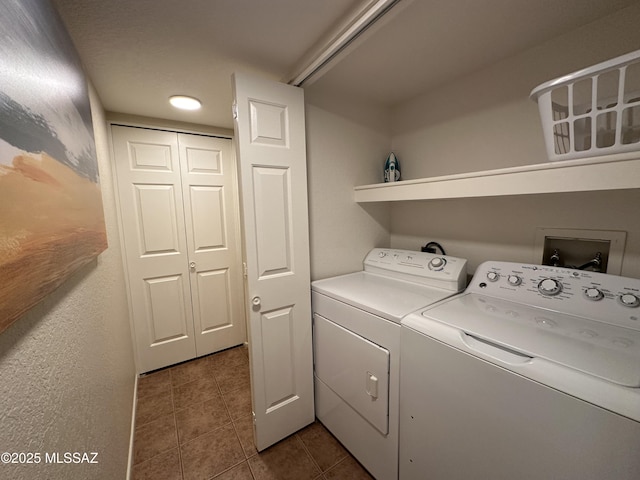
{"x": 372, "y": 385}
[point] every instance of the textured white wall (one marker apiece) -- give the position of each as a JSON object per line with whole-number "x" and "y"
{"x": 486, "y": 121}
{"x": 66, "y": 368}
{"x": 347, "y": 145}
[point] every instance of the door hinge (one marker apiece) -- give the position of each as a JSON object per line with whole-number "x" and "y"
{"x": 234, "y": 110}
{"x": 244, "y": 269}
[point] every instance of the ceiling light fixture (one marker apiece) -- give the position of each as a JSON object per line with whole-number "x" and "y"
{"x": 185, "y": 103}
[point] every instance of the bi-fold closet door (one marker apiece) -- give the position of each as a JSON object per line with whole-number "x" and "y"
{"x": 179, "y": 215}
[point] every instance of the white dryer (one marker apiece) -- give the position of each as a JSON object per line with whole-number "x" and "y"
{"x": 356, "y": 338}
{"x": 532, "y": 373}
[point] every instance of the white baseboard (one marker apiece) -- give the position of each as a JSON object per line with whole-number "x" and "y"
{"x": 133, "y": 428}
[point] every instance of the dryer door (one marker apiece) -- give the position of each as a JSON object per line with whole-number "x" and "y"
{"x": 356, "y": 369}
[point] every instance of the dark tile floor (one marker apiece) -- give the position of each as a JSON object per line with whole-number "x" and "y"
{"x": 193, "y": 422}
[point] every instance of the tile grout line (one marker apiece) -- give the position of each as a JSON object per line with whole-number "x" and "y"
{"x": 175, "y": 430}
{"x": 341, "y": 459}
{"x": 253, "y": 475}
{"x": 210, "y": 371}
{"x": 308, "y": 452}
{"x": 247, "y": 457}
{"x": 231, "y": 468}
{"x": 173, "y": 405}
{"x": 233, "y": 421}
{"x": 180, "y": 444}
{"x": 233, "y": 427}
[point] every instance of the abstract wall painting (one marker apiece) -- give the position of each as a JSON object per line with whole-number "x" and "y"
{"x": 51, "y": 215}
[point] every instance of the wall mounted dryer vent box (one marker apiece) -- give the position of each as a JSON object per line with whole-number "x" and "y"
{"x": 575, "y": 248}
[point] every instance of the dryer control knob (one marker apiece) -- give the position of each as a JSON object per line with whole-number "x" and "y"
{"x": 594, "y": 294}
{"x": 437, "y": 263}
{"x": 549, "y": 287}
{"x": 514, "y": 280}
{"x": 629, "y": 300}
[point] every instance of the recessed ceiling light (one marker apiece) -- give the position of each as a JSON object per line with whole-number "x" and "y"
{"x": 185, "y": 103}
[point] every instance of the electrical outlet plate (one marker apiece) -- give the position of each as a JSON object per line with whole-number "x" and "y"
{"x": 579, "y": 246}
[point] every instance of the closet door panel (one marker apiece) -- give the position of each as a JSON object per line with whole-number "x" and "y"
{"x": 213, "y": 241}
{"x": 155, "y": 245}
{"x": 158, "y": 232}
{"x": 165, "y": 309}
{"x": 214, "y": 291}
{"x": 208, "y": 203}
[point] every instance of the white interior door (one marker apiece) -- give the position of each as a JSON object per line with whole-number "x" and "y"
{"x": 271, "y": 146}
{"x": 209, "y": 186}
{"x": 152, "y": 215}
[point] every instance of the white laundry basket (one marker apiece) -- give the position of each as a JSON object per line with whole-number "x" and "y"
{"x": 594, "y": 111}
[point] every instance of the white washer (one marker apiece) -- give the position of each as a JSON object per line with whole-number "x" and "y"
{"x": 532, "y": 373}
{"x": 356, "y": 342}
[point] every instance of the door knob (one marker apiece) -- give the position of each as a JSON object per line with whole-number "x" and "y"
{"x": 255, "y": 301}
{"x": 192, "y": 266}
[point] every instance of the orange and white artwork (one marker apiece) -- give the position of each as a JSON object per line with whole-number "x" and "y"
{"x": 51, "y": 216}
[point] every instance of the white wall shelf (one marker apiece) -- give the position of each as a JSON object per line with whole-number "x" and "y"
{"x": 611, "y": 172}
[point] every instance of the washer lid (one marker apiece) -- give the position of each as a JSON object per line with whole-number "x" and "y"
{"x": 387, "y": 297}
{"x": 605, "y": 351}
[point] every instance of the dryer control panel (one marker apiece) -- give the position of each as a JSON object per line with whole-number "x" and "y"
{"x": 439, "y": 271}
{"x": 597, "y": 296}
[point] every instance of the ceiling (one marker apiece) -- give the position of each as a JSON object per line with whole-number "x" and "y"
{"x": 430, "y": 42}
{"x": 138, "y": 53}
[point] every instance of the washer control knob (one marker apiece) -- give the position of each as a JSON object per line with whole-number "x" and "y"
{"x": 493, "y": 276}
{"x": 437, "y": 263}
{"x": 629, "y": 300}
{"x": 382, "y": 254}
{"x": 514, "y": 280}
{"x": 594, "y": 294}
{"x": 549, "y": 287}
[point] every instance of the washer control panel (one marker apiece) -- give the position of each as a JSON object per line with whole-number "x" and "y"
{"x": 598, "y": 296}
{"x": 441, "y": 271}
